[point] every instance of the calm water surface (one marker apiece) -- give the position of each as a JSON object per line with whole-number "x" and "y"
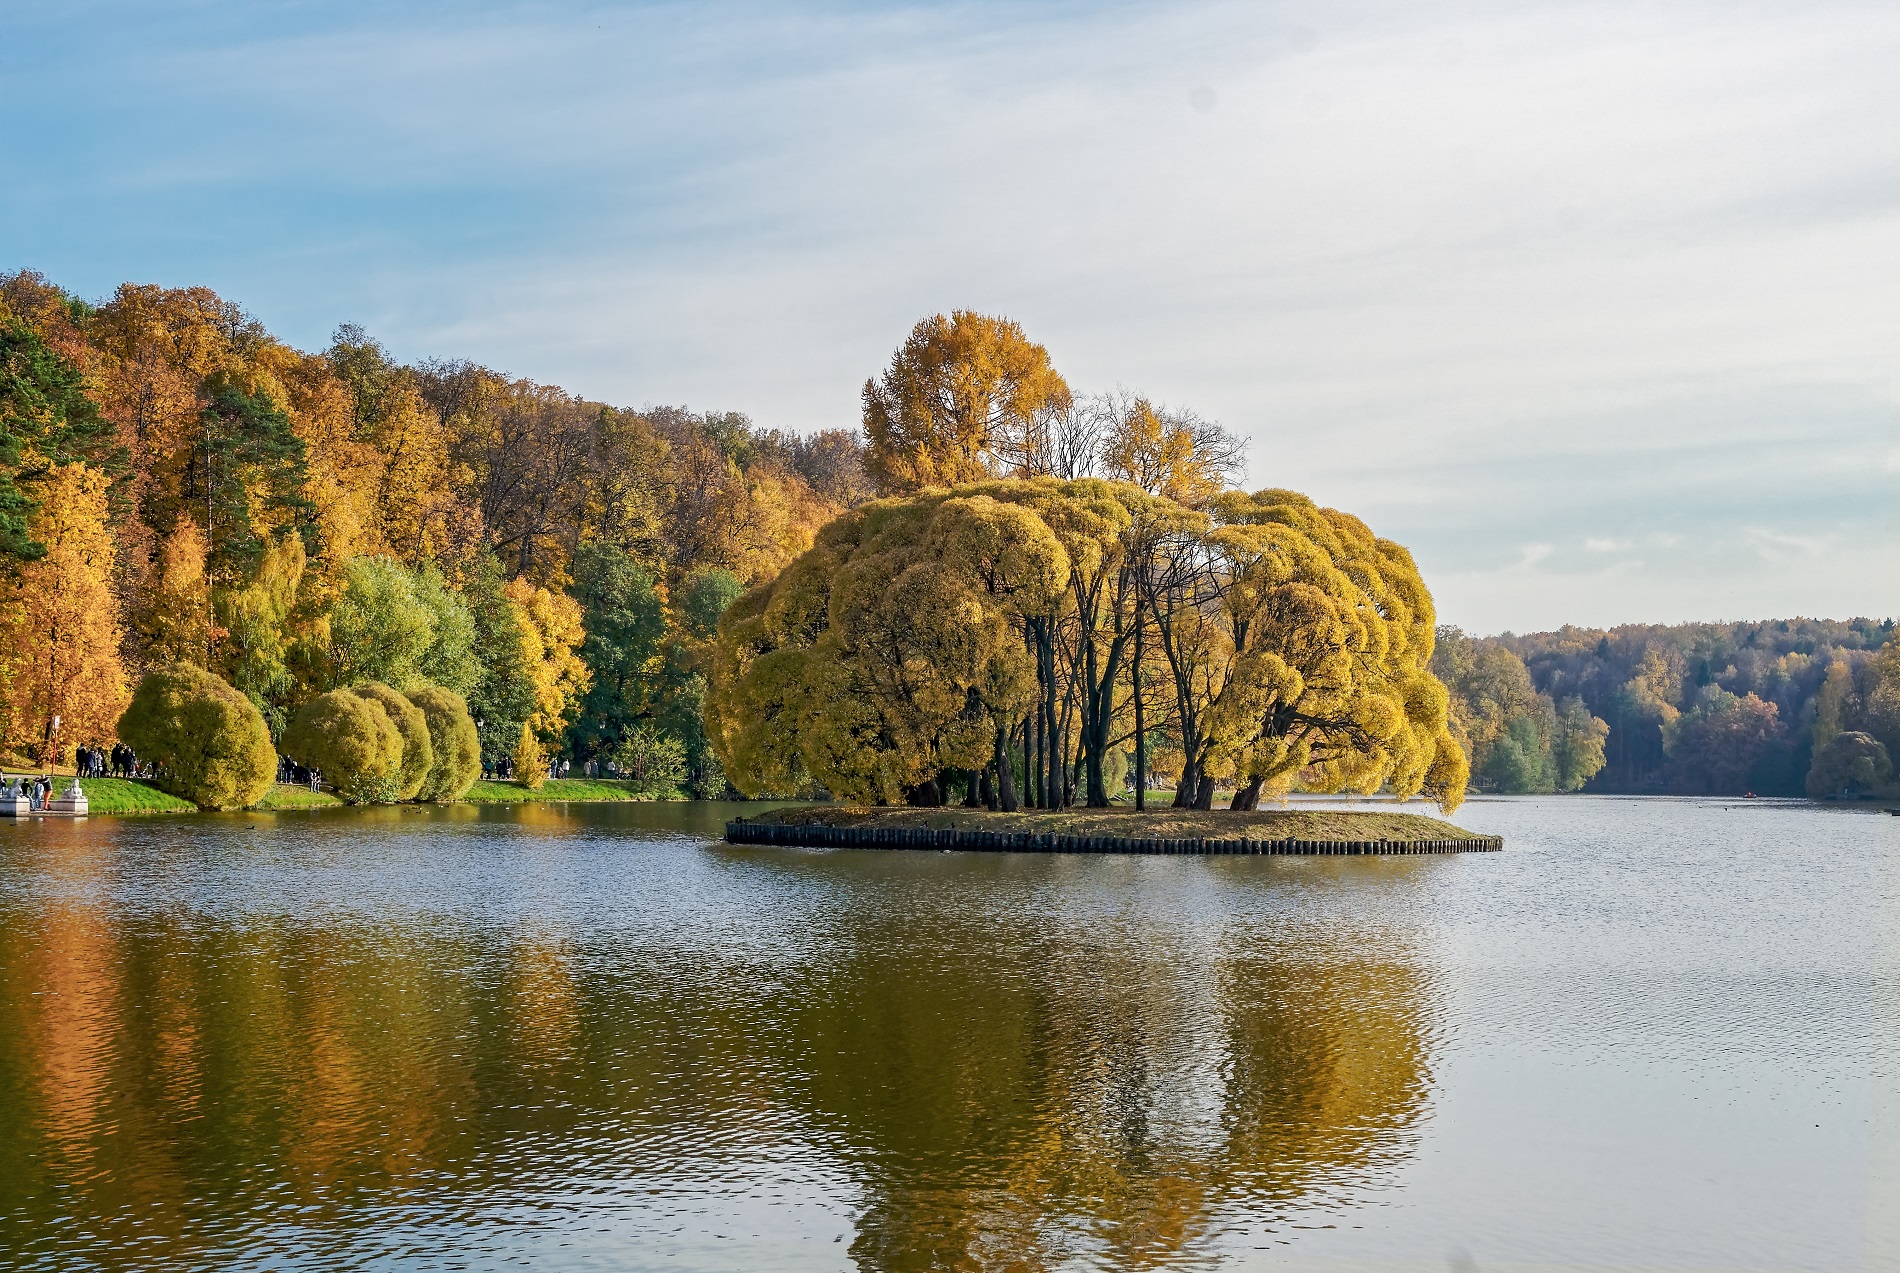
{"x": 1651, "y": 1034}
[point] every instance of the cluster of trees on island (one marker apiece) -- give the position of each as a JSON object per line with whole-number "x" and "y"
{"x": 998, "y": 590}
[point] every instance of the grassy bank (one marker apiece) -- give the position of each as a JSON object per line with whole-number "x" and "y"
{"x": 1266, "y": 824}
{"x": 126, "y": 795}
{"x": 295, "y": 795}
{"x": 601, "y": 789}
{"x": 131, "y": 795}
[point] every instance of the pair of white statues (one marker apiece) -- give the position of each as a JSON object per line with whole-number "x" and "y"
{"x": 16, "y": 802}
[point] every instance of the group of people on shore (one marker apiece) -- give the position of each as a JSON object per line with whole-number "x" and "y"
{"x": 502, "y": 769}
{"x": 97, "y": 762}
{"x": 289, "y": 771}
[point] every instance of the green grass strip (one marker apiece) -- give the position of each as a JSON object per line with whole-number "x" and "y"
{"x": 602, "y": 789}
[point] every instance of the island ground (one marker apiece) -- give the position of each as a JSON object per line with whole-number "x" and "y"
{"x": 1169, "y": 823}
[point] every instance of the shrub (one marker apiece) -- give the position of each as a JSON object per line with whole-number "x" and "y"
{"x": 651, "y": 761}
{"x": 530, "y": 762}
{"x": 1849, "y": 764}
{"x": 708, "y": 778}
{"x": 352, "y": 742}
{"x": 458, "y": 751}
{"x": 418, "y": 752}
{"x": 209, "y": 741}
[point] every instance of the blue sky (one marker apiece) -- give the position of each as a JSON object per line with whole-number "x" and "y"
{"x": 1592, "y": 305}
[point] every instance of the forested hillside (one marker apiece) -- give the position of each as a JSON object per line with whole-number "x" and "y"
{"x": 1691, "y": 708}
{"x": 178, "y": 484}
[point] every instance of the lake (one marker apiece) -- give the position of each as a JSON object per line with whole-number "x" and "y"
{"x": 1650, "y": 1034}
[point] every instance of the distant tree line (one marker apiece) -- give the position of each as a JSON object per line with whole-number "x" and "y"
{"x": 1688, "y": 709}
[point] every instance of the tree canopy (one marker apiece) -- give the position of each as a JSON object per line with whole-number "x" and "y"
{"x": 955, "y": 630}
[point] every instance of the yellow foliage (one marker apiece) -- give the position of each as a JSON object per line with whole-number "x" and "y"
{"x": 889, "y": 652}
{"x": 957, "y": 403}
{"x": 530, "y": 763}
{"x": 1161, "y": 456}
{"x": 344, "y": 474}
{"x": 414, "y": 501}
{"x": 61, "y": 632}
{"x": 175, "y": 620}
{"x": 901, "y": 645}
{"x": 1332, "y": 632}
{"x": 551, "y": 630}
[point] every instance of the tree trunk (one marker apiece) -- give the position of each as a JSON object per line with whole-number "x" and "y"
{"x": 1052, "y": 760}
{"x": 1005, "y": 773}
{"x": 1141, "y": 731}
{"x": 972, "y": 790}
{"x": 987, "y": 785}
{"x": 1204, "y": 794}
{"x": 924, "y": 795}
{"x": 1248, "y": 797}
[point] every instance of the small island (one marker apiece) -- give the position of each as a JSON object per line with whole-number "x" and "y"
{"x": 1277, "y": 832}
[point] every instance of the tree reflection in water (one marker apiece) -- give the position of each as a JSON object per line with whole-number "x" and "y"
{"x": 1005, "y": 1064}
{"x": 1117, "y": 1106}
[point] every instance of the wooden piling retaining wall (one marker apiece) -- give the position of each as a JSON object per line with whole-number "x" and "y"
{"x": 820, "y": 836}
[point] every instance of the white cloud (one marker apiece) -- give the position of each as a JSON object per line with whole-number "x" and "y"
{"x": 1490, "y": 275}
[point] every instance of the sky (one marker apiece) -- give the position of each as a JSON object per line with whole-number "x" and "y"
{"x": 1594, "y": 306}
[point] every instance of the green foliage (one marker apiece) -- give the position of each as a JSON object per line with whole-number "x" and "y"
{"x": 44, "y": 411}
{"x": 254, "y": 652}
{"x": 1518, "y": 759}
{"x": 379, "y": 629}
{"x": 396, "y": 625}
{"x": 651, "y": 761}
{"x": 625, "y": 625}
{"x": 351, "y": 741}
{"x": 452, "y": 659}
{"x": 1821, "y": 675}
{"x": 209, "y": 741}
{"x": 457, "y": 749}
{"x": 1714, "y": 745}
{"x": 504, "y": 697}
{"x": 1576, "y": 748}
{"x": 252, "y": 478}
{"x": 704, "y": 596}
{"x": 418, "y": 752}
{"x": 1851, "y": 764}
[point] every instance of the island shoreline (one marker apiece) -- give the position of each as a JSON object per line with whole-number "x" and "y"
{"x": 1277, "y": 833}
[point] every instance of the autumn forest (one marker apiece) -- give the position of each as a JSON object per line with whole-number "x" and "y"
{"x": 995, "y": 589}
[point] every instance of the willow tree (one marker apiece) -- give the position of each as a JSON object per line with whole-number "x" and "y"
{"x": 961, "y": 629}
{"x": 889, "y": 653}
{"x": 1329, "y": 633}
{"x": 958, "y": 403}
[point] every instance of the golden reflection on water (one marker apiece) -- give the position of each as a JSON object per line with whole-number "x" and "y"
{"x": 1003, "y": 1087}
